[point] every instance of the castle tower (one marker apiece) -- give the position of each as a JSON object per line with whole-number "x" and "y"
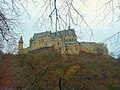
{"x": 20, "y": 46}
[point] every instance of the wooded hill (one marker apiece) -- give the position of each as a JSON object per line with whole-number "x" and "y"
{"x": 53, "y": 71}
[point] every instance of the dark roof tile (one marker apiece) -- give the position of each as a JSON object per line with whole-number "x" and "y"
{"x": 55, "y": 34}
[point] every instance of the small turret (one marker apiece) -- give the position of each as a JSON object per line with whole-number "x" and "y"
{"x": 20, "y": 46}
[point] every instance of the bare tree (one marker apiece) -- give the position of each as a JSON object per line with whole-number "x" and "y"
{"x": 64, "y": 14}
{"x": 110, "y": 11}
{"x": 60, "y": 15}
{"x": 11, "y": 12}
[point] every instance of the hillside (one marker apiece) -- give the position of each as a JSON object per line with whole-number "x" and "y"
{"x": 53, "y": 71}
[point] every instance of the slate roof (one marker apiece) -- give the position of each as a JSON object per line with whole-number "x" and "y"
{"x": 87, "y": 42}
{"x": 65, "y": 32}
{"x": 76, "y": 42}
{"x": 54, "y": 34}
{"x": 42, "y": 34}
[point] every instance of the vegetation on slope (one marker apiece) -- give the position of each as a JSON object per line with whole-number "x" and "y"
{"x": 53, "y": 71}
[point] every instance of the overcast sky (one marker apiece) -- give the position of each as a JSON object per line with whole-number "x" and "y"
{"x": 92, "y": 13}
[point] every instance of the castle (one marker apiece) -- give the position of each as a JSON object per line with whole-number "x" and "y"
{"x": 64, "y": 42}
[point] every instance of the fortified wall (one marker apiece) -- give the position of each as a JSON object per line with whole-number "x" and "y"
{"x": 64, "y": 42}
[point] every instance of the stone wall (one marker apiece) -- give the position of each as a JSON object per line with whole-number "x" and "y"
{"x": 42, "y": 42}
{"x": 67, "y": 46}
{"x": 43, "y": 50}
{"x": 70, "y": 48}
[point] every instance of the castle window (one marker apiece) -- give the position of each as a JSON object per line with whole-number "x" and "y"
{"x": 45, "y": 44}
{"x": 34, "y": 42}
{"x": 58, "y": 43}
{"x": 67, "y": 47}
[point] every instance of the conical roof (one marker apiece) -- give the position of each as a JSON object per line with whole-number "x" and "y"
{"x": 21, "y": 40}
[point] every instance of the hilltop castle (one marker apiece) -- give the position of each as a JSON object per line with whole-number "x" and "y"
{"x": 64, "y": 42}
